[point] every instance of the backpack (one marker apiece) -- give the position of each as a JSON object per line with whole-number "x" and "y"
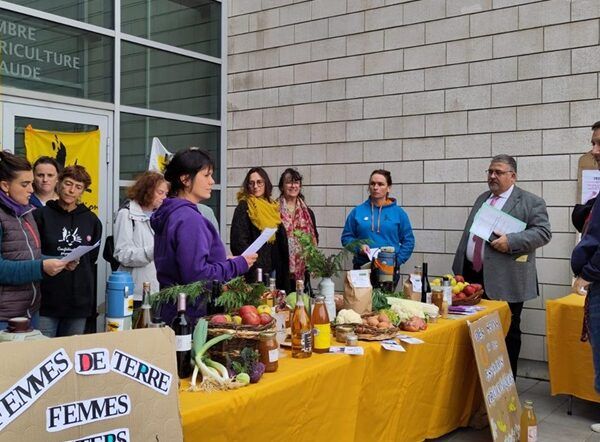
{"x": 109, "y": 246}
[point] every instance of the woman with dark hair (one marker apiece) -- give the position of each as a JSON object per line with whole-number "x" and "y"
{"x": 380, "y": 222}
{"x": 133, "y": 236}
{"x": 21, "y": 264}
{"x": 187, "y": 247}
{"x": 45, "y": 179}
{"x": 255, "y": 212}
{"x": 65, "y": 224}
{"x": 296, "y": 215}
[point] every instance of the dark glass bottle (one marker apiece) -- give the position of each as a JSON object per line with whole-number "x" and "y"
{"x": 215, "y": 292}
{"x": 425, "y": 287}
{"x": 183, "y": 339}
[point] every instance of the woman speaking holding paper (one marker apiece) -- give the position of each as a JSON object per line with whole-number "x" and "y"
{"x": 187, "y": 246}
{"x": 255, "y": 212}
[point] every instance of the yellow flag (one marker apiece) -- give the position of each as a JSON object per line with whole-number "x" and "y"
{"x": 69, "y": 148}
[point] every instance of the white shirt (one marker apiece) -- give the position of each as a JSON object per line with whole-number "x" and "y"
{"x": 502, "y": 198}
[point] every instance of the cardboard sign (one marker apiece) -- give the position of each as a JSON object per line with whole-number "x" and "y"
{"x": 49, "y": 395}
{"x": 497, "y": 382}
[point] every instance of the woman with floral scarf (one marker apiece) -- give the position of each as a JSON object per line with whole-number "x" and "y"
{"x": 296, "y": 215}
{"x": 255, "y": 212}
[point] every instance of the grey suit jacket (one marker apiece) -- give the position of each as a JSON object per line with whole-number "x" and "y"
{"x": 511, "y": 276}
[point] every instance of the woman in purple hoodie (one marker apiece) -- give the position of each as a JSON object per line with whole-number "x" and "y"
{"x": 187, "y": 247}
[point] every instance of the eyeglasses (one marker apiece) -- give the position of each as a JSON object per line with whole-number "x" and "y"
{"x": 257, "y": 183}
{"x": 491, "y": 172}
{"x": 292, "y": 182}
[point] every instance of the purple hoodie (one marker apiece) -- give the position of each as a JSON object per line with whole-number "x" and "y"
{"x": 187, "y": 248}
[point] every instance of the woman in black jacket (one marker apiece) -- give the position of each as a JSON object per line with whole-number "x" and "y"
{"x": 255, "y": 212}
{"x": 65, "y": 224}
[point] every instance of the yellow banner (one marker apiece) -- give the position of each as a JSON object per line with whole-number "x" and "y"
{"x": 69, "y": 148}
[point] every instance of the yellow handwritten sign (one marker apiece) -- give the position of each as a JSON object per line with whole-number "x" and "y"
{"x": 69, "y": 148}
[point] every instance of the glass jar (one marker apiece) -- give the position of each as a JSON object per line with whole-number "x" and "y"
{"x": 351, "y": 340}
{"x": 437, "y": 297}
{"x": 268, "y": 348}
{"x": 341, "y": 331}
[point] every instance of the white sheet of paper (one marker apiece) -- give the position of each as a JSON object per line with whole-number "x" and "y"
{"x": 410, "y": 339}
{"x": 373, "y": 253}
{"x": 260, "y": 241}
{"x": 488, "y": 220}
{"x": 356, "y": 351}
{"x": 78, "y": 252}
{"x": 392, "y": 345}
{"x": 360, "y": 278}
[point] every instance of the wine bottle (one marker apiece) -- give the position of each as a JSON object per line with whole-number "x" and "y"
{"x": 183, "y": 339}
{"x": 425, "y": 287}
{"x": 215, "y": 292}
{"x": 144, "y": 317}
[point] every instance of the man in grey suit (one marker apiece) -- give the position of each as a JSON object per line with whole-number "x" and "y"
{"x": 505, "y": 263}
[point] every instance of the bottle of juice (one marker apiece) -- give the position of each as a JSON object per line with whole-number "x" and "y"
{"x": 321, "y": 325}
{"x": 528, "y": 423}
{"x": 300, "y": 326}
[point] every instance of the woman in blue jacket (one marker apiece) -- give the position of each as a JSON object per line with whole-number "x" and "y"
{"x": 379, "y": 222}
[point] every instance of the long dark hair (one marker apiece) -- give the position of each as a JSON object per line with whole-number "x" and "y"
{"x": 189, "y": 162}
{"x": 245, "y": 190}
{"x": 291, "y": 175}
{"x": 11, "y": 164}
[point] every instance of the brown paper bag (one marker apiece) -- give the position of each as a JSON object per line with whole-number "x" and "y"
{"x": 358, "y": 291}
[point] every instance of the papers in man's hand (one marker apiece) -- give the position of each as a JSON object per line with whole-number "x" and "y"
{"x": 260, "y": 241}
{"x": 488, "y": 220}
{"x": 78, "y": 252}
{"x": 373, "y": 253}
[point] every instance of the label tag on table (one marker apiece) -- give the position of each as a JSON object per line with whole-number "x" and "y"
{"x": 356, "y": 351}
{"x": 410, "y": 340}
{"x": 392, "y": 345}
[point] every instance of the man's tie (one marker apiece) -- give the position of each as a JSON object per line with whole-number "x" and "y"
{"x": 478, "y": 250}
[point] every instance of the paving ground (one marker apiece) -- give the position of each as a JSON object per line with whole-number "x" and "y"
{"x": 554, "y": 424}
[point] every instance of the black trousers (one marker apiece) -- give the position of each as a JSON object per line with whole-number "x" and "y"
{"x": 513, "y": 337}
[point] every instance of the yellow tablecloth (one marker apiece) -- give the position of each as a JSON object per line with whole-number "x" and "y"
{"x": 426, "y": 392}
{"x": 569, "y": 360}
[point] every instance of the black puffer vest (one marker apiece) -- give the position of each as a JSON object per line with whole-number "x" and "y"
{"x": 20, "y": 242}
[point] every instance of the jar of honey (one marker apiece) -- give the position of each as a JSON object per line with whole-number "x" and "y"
{"x": 437, "y": 297}
{"x": 268, "y": 348}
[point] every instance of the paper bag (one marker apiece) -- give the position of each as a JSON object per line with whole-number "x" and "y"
{"x": 358, "y": 291}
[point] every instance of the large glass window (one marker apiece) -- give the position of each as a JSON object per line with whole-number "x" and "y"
{"x": 136, "y": 140}
{"x": 95, "y": 12}
{"x": 159, "y": 80}
{"x": 37, "y": 55}
{"x": 188, "y": 24}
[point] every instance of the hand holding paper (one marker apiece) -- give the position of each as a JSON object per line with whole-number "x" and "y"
{"x": 260, "y": 241}
{"x": 490, "y": 220}
{"x": 78, "y": 252}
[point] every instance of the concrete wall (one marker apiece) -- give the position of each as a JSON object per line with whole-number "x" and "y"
{"x": 429, "y": 89}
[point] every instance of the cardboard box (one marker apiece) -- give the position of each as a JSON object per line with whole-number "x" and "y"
{"x": 68, "y": 389}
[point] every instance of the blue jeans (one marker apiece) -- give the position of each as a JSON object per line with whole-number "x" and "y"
{"x": 35, "y": 322}
{"x": 58, "y": 327}
{"x": 594, "y": 330}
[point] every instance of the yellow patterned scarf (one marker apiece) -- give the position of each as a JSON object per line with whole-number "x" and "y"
{"x": 262, "y": 213}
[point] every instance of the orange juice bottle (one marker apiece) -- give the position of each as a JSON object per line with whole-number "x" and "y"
{"x": 528, "y": 423}
{"x": 301, "y": 327}
{"x": 321, "y": 325}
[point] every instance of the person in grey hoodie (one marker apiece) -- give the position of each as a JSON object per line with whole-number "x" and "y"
{"x": 187, "y": 247}
{"x": 134, "y": 238}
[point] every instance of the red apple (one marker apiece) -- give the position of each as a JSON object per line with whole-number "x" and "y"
{"x": 461, "y": 295}
{"x": 250, "y": 318}
{"x": 219, "y": 319}
{"x": 459, "y": 278}
{"x": 265, "y": 318}
{"x": 469, "y": 290}
{"x": 477, "y": 287}
{"x": 246, "y": 309}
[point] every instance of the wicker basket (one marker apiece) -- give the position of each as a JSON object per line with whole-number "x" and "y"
{"x": 243, "y": 336}
{"x": 370, "y": 333}
{"x": 475, "y": 298}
